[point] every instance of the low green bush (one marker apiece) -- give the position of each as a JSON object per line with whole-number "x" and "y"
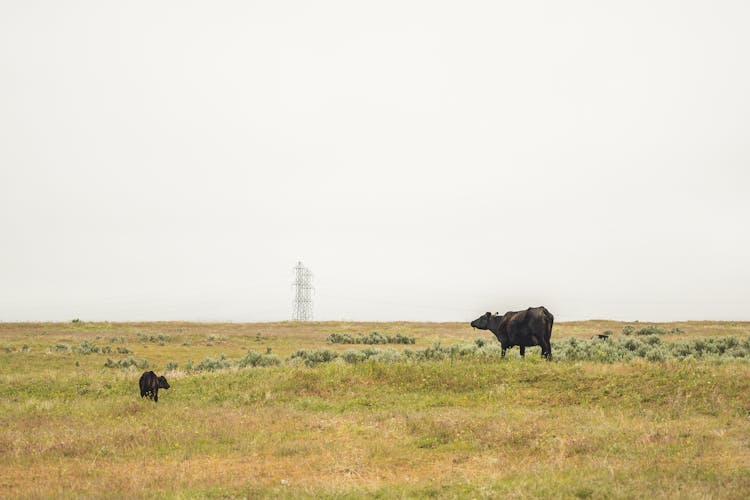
{"x": 213, "y": 364}
{"x": 372, "y": 338}
{"x": 127, "y": 363}
{"x": 313, "y": 357}
{"x": 623, "y": 349}
{"x": 154, "y": 339}
{"x": 255, "y": 359}
{"x": 648, "y": 330}
{"x": 652, "y": 348}
{"x": 86, "y": 347}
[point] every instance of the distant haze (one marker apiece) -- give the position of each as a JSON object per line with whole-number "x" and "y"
{"x": 426, "y": 160}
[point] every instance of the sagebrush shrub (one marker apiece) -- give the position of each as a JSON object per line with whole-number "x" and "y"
{"x": 213, "y": 364}
{"x": 649, "y": 330}
{"x": 86, "y": 347}
{"x": 372, "y": 338}
{"x": 256, "y": 359}
{"x": 314, "y": 357}
{"x": 127, "y": 363}
{"x": 156, "y": 339}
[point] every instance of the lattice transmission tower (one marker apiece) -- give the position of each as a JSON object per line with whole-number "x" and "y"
{"x": 303, "y": 306}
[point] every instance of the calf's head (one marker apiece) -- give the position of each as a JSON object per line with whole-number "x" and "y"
{"x": 163, "y": 384}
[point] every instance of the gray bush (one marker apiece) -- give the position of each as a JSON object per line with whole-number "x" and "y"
{"x": 86, "y": 347}
{"x": 373, "y": 338}
{"x": 652, "y": 348}
{"x": 313, "y": 357}
{"x": 154, "y": 339}
{"x": 256, "y": 359}
{"x": 127, "y": 363}
{"x": 213, "y": 364}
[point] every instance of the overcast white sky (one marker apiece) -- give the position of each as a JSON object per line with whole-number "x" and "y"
{"x": 426, "y": 160}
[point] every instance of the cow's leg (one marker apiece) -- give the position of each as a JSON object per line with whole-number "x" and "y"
{"x": 547, "y": 350}
{"x": 502, "y": 353}
{"x": 522, "y": 348}
{"x": 156, "y": 395}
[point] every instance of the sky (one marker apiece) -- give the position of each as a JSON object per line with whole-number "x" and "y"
{"x": 426, "y": 160}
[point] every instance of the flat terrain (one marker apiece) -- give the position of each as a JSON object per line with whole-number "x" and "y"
{"x": 72, "y": 423}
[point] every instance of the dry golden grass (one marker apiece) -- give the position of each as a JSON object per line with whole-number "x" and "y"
{"x": 478, "y": 428}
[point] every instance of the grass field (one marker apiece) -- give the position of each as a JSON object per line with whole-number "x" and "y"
{"x": 457, "y": 426}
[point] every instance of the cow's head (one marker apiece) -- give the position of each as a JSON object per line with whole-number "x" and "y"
{"x": 163, "y": 384}
{"x": 482, "y": 322}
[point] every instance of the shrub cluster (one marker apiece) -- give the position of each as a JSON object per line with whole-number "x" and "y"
{"x": 23, "y": 348}
{"x": 155, "y": 339}
{"x": 213, "y": 364}
{"x": 312, "y": 357}
{"x": 127, "y": 363}
{"x": 623, "y": 349}
{"x": 652, "y": 348}
{"x": 86, "y": 347}
{"x": 648, "y": 330}
{"x": 256, "y": 359}
{"x": 373, "y": 338}
{"x": 253, "y": 359}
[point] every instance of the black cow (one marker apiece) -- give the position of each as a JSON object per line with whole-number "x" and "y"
{"x": 523, "y": 328}
{"x": 150, "y": 385}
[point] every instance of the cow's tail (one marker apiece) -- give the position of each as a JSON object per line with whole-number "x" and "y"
{"x": 550, "y": 322}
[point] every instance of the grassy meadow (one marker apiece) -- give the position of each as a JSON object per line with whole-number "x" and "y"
{"x": 278, "y": 410}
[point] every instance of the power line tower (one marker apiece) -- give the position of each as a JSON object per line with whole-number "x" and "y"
{"x": 303, "y": 308}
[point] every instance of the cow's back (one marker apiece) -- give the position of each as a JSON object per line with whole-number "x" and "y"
{"x": 147, "y": 382}
{"x": 528, "y": 327}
